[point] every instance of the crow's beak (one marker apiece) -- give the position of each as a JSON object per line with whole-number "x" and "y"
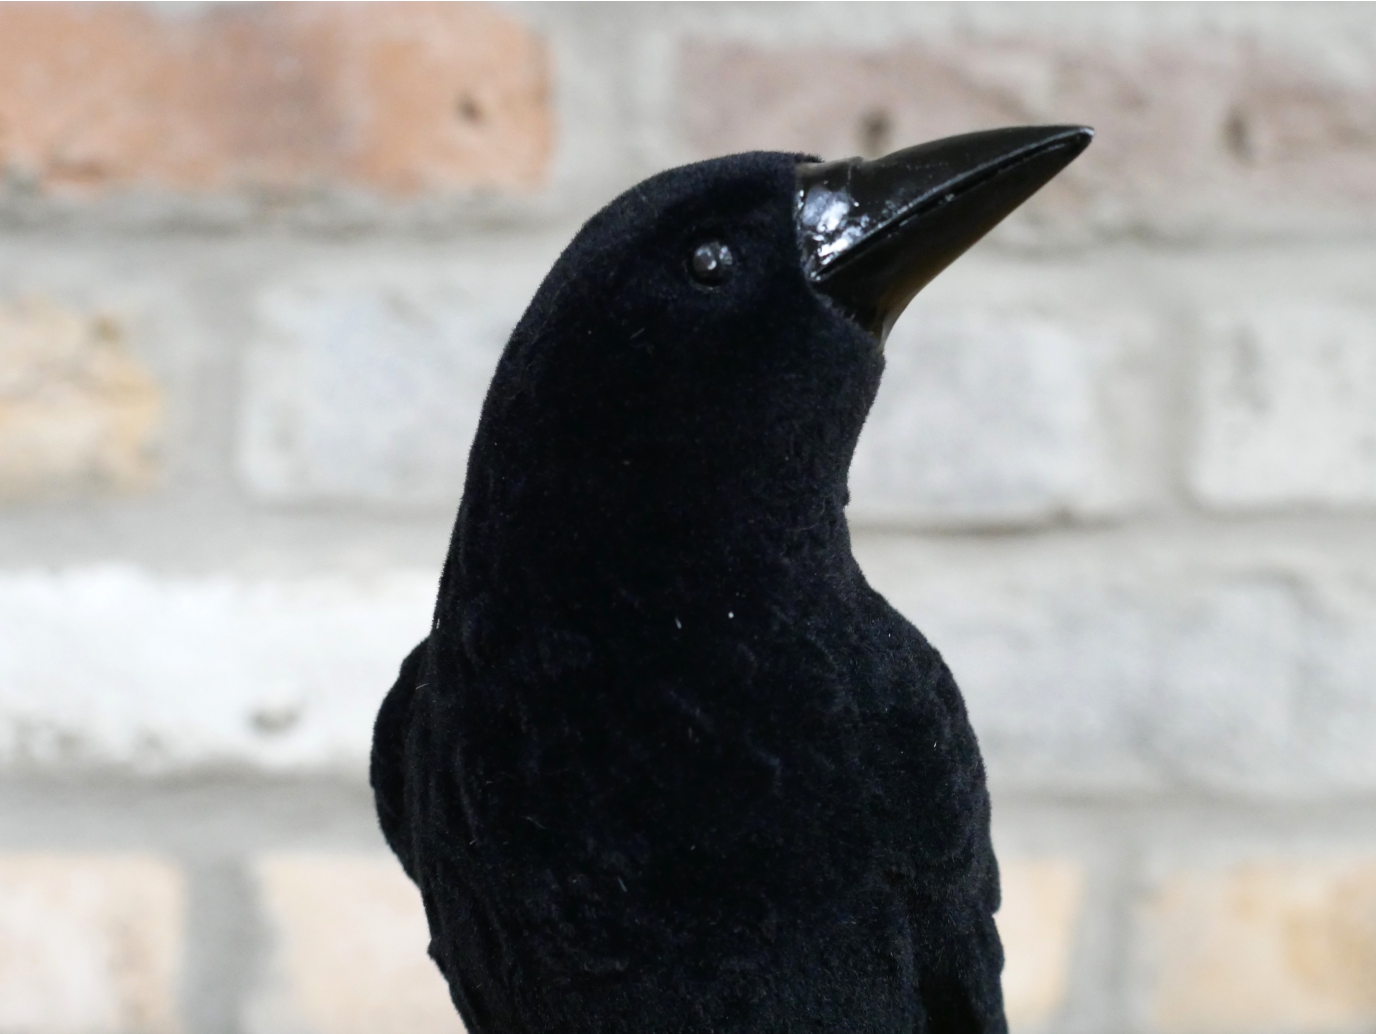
{"x": 874, "y": 233}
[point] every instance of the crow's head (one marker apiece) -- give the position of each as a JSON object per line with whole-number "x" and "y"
{"x": 698, "y": 364}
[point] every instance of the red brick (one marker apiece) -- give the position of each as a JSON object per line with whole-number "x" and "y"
{"x": 395, "y": 97}
{"x": 1186, "y": 132}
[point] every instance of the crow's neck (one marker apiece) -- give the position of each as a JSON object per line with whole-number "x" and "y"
{"x": 585, "y": 541}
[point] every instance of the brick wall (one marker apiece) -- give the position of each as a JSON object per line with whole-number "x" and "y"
{"x": 256, "y": 263}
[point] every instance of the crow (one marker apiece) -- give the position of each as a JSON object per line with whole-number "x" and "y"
{"x": 665, "y": 762}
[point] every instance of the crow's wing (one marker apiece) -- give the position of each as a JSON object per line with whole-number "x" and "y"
{"x": 930, "y": 808}
{"x": 405, "y": 772}
{"x": 387, "y": 770}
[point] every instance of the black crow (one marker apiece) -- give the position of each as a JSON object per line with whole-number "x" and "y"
{"x": 666, "y": 763}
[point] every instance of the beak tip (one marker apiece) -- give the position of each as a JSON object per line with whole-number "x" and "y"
{"x": 1083, "y": 135}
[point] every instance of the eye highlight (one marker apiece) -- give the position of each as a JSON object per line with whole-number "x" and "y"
{"x": 712, "y": 263}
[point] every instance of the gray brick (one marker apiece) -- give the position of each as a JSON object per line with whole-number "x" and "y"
{"x": 1286, "y": 401}
{"x": 1057, "y": 671}
{"x": 108, "y": 666}
{"x": 980, "y": 419}
{"x": 1098, "y": 670}
{"x": 1228, "y": 695}
{"x": 1108, "y": 675}
{"x": 367, "y": 388}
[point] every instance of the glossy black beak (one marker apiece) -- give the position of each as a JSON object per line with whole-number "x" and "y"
{"x": 874, "y": 233}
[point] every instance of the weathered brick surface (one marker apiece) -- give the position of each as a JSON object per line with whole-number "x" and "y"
{"x": 1081, "y": 672}
{"x": 1124, "y": 487}
{"x": 78, "y": 413}
{"x": 1286, "y": 409}
{"x": 1042, "y": 900}
{"x": 1192, "y": 134}
{"x": 89, "y": 944}
{"x": 397, "y": 98}
{"x": 369, "y": 391}
{"x": 349, "y": 956}
{"x": 112, "y": 666}
{"x": 982, "y": 418}
{"x": 1263, "y": 946}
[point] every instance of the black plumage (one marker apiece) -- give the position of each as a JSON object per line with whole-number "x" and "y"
{"x": 666, "y": 762}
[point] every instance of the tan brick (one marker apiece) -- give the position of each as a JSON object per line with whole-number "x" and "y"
{"x": 1041, "y": 906}
{"x": 397, "y": 97}
{"x": 1263, "y": 946}
{"x": 77, "y": 412}
{"x": 1188, "y": 133}
{"x": 350, "y": 950}
{"x": 89, "y": 944}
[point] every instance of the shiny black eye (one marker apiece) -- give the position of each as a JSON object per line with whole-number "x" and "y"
{"x": 712, "y": 262}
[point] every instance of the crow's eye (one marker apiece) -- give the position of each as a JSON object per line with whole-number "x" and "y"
{"x": 712, "y": 263}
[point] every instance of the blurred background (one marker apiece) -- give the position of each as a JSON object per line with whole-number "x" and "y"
{"x": 257, "y": 262}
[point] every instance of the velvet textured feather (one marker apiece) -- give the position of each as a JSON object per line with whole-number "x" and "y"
{"x": 666, "y": 762}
